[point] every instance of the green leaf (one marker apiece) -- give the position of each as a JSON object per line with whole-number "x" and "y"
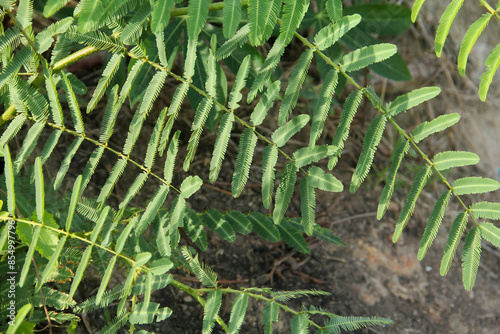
{"x": 486, "y": 210}
{"x": 451, "y": 159}
{"x": 143, "y": 313}
{"x": 307, "y": 155}
{"x": 238, "y": 311}
{"x": 269, "y": 159}
{"x": 436, "y": 125}
{"x": 10, "y": 39}
{"x": 433, "y": 224}
{"x": 19, "y": 319}
{"x": 134, "y": 189}
{"x": 262, "y": 17}
{"x": 91, "y": 166}
{"x": 212, "y": 307}
{"x": 266, "y": 70}
{"x": 126, "y": 233}
{"x": 470, "y": 39}
{"x": 492, "y": 63}
{"x": 74, "y": 106}
{"x": 270, "y": 314}
{"x": 154, "y": 140}
{"x": 385, "y": 198}
{"x": 39, "y": 190}
{"x": 382, "y": 19}
{"x": 190, "y": 185}
{"x": 415, "y": 190}
{"x": 238, "y": 221}
{"x": 112, "y": 179}
{"x": 282, "y": 134}
{"x": 300, "y": 324}
{"x": 334, "y": 9}
{"x": 197, "y": 16}
{"x": 285, "y": 191}
{"x": 294, "y": 87}
{"x": 323, "y": 105}
{"x": 393, "y": 68}
{"x": 293, "y": 237}
{"x": 29, "y": 254}
{"x": 412, "y": 99}
{"x": 105, "y": 279}
{"x": 204, "y": 274}
{"x": 152, "y": 208}
{"x": 176, "y": 219}
{"x": 265, "y": 103}
{"x": 307, "y": 204}
{"x": 52, "y": 6}
{"x": 72, "y": 203}
{"x": 416, "y": 8}
{"x": 226, "y": 125}
{"x": 231, "y": 17}
{"x": 67, "y": 161}
{"x": 52, "y": 263}
{"x": 264, "y": 226}
{"x": 353, "y": 323}
{"x": 243, "y": 161}
{"x": 194, "y": 229}
{"x": 29, "y": 144}
{"x": 161, "y": 14}
{"x": 24, "y": 14}
{"x": 140, "y": 115}
{"x": 457, "y": 229}
{"x": 107, "y": 75}
{"x": 293, "y": 13}
{"x": 445, "y": 24}
{"x": 474, "y": 185}
{"x": 367, "y": 55}
{"x": 84, "y": 261}
{"x": 471, "y": 255}
{"x": 13, "y": 67}
{"x": 490, "y": 233}
{"x": 133, "y": 29}
{"x": 235, "y": 42}
{"x": 350, "y": 108}
{"x": 13, "y": 128}
{"x": 90, "y": 11}
{"x": 326, "y": 182}
{"x": 173, "y": 148}
{"x": 44, "y": 39}
{"x": 9, "y": 182}
{"x": 215, "y": 221}
{"x": 370, "y": 143}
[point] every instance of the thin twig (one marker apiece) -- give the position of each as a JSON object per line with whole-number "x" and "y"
{"x": 41, "y": 295}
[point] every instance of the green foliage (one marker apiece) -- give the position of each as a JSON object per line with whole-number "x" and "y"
{"x": 146, "y": 241}
{"x": 468, "y": 41}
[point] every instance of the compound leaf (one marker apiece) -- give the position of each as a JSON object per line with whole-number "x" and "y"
{"x": 471, "y": 255}
{"x": 474, "y": 185}
{"x": 285, "y": 191}
{"x": 451, "y": 159}
{"x": 243, "y": 161}
{"x": 490, "y": 233}
{"x": 415, "y": 190}
{"x": 445, "y": 24}
{"x": 367, "y": 55}
{"x": 433, "y": 224}
{"x": 457, "y": 229}
{"x": 238, "y": 311}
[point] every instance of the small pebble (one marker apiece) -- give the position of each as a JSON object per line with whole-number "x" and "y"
{"x": 428, "y": 268}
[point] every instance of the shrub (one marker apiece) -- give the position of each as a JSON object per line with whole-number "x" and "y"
{"x": 51, "y": 236}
